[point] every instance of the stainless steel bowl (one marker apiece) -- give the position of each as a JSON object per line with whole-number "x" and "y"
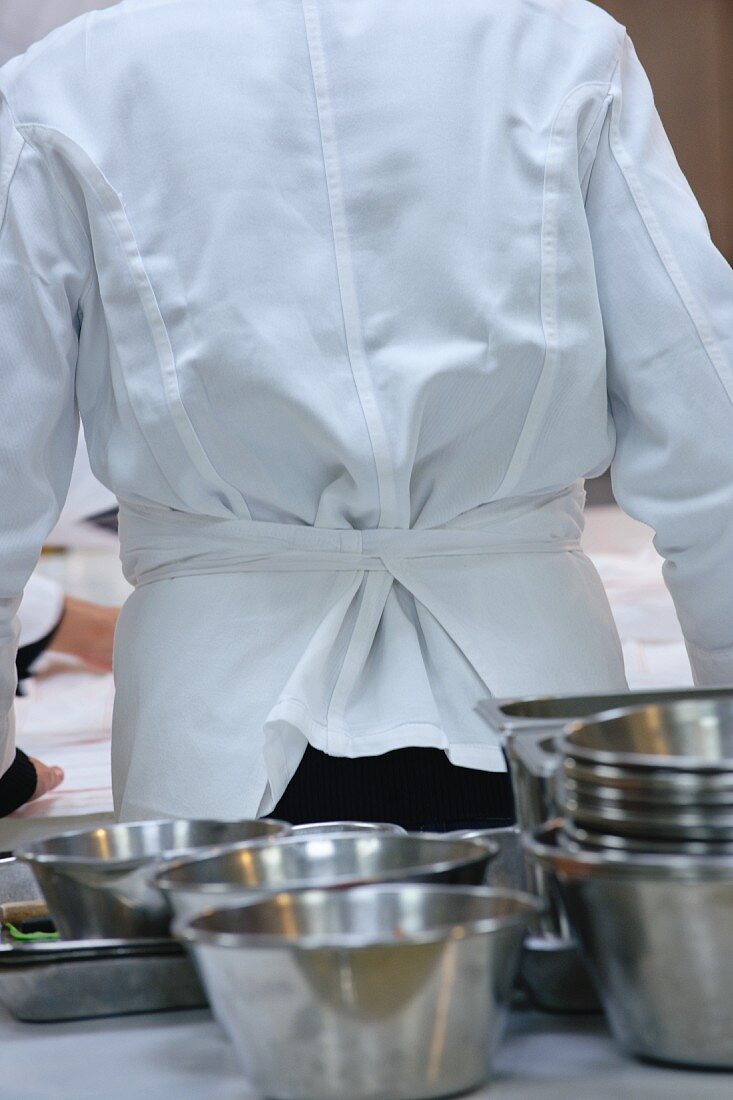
{"x": 689, "y": 736}
{"x": 551, "y": 972}
{"x": 534, "y": 766}
{"x": 540, "y": 713}
{"x": 376, "y": 993}
{"x": 651, "y": 799}
{"x": 97, "y": 882}
{"x": 649, "y": 784}
{"x": 578, "y": 839}
{"x": 318, "y": 828}
{"x": 676, "y": 824}
{"x": 657, "y": 934}
{"x": 248, "y": 871}
{"x": 506, "y": 870}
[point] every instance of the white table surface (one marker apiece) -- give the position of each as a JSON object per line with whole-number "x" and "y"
{"x": 184, "y": 1056}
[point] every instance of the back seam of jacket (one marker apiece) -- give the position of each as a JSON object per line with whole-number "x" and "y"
{"x": 344, "y": 271}
{"x": 115, "y": 214}
{"x": 705, "y": 334}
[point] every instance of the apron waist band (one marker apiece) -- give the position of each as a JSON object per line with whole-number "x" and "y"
{"x": 159, "y": 543}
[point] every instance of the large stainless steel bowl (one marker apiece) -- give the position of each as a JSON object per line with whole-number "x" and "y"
{"x": 657, "y": 934}
{"x": 688, "y": 736}
{"x": 97, "y": 882}
{"x": 376, "y": 993}
{"x": 248, "y": 871}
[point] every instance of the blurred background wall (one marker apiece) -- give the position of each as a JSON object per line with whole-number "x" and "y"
{"x": 686, "y": 47}
{"x": 24, "y": 21}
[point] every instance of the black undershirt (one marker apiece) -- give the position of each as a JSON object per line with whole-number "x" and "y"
{"x": 416, "y": 788}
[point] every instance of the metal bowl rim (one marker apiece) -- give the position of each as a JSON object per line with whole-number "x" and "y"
{"x": 386, "y": 827}
{"x": 27, "y": 854}
{"x": 577, "y": 834}
{"x": 528, "y": 907}
{"x": 666, "y": 696}
{"x": 682, "y": 813}
{"x": 541, "y": 845}
{"x": 638, "y": 760}
{"x": 485, "y": 849}
{"x": 645, "y": 778}
{"x": 578, "y": 790}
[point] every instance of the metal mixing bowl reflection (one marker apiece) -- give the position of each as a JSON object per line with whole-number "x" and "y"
{"x": 505, "y": 870}
{"x": 677, "y": 823}
{"x": 690, "y": 736}
{"x": 657, "y": 934}
{"x": 319, "y": 828}
{"x": 396, "y": 992}
{"x": 248, "y": 871}
{"x": 648, "y": 784}
{"x": 96, "y": 882}
{"x": 576, "y": 838}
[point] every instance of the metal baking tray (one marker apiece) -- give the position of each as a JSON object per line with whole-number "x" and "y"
{"x": 78, "y": 979}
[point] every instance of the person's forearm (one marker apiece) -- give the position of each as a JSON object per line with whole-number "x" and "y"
{"x": 87, "y": 632}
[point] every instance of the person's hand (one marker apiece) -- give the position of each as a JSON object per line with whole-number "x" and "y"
{"x": 48, "y": 778}
{"x": 87, "y": 631}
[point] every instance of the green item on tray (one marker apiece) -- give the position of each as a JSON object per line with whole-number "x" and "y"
{"x": 32, "y": 936}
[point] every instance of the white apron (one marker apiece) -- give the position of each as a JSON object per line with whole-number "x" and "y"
{"x": 409, "y": 631}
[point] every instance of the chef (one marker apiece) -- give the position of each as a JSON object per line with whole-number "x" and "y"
{"x": 351, "y": 299}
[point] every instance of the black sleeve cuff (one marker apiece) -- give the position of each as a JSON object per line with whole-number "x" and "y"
{"x": 18, "y": 784}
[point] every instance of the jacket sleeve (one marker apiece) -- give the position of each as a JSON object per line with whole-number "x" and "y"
{"x": 45, "y": 262}
{"x": 40, "y": 610}
{"x": 666, "y": 295}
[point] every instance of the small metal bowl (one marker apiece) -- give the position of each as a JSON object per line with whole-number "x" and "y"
{"x": 395, "y": 992}
{"x": 322, "y": 828}
{"x": 96, "y": 882}
{"x": 245, "y": 872}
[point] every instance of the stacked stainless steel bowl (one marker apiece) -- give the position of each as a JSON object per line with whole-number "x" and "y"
{"x": 657, "y": 778}
{"x": 347, "y": 961}
{"x": 644, "y": 866}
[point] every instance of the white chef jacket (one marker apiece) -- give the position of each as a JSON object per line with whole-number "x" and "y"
{"x": 351, "y": 296}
